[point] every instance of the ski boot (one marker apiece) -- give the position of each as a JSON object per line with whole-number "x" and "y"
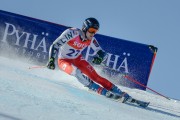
{"x": 102, "y": 91}
{"x": 123, "y": 96}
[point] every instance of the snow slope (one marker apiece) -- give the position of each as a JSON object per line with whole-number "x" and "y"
{"x": 42, "y": 94}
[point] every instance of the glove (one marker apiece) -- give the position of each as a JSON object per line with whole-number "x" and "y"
{"x": 97, "y": 60}
{"x": 99, "y": 57}
{"x": 51, "y": 64}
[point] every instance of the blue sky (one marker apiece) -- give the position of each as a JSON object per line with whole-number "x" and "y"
{"x": 155, "y": 22}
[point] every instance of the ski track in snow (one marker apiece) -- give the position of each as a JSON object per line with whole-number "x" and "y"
{"x": 42, "y": 94}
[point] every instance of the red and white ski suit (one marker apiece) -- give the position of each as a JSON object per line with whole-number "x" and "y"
{"x": 70, "y": 45}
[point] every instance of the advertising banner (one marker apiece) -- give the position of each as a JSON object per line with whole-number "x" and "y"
{"x": 31, "y": 38}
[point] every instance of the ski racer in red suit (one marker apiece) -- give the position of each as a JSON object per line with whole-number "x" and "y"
{"x": 69, "y": 46}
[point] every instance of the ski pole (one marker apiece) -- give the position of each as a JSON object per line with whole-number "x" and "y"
{"x": 34, "y": 67}
{"x": 135, "y": 81}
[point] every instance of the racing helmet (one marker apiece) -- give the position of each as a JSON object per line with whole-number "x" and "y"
{"x": 90, "y": 23}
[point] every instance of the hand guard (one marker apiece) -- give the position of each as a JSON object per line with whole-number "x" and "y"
{"x": 51, "y": 64}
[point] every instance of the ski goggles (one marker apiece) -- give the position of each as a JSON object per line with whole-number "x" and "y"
{"x": 92, "y": 30}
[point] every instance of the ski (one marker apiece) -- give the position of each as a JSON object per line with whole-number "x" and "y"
{"x": 140, "y": 103}
{"x": 127, "y": 100}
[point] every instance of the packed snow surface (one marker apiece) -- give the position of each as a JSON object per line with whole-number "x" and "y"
{"x": 43, "y": 94}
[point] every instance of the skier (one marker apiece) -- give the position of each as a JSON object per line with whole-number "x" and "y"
{"x": 69, "y": 46}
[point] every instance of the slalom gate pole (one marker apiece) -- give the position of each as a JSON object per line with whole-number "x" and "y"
{"x": 34, "y": 67}
{"x": 135, "y": 81}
